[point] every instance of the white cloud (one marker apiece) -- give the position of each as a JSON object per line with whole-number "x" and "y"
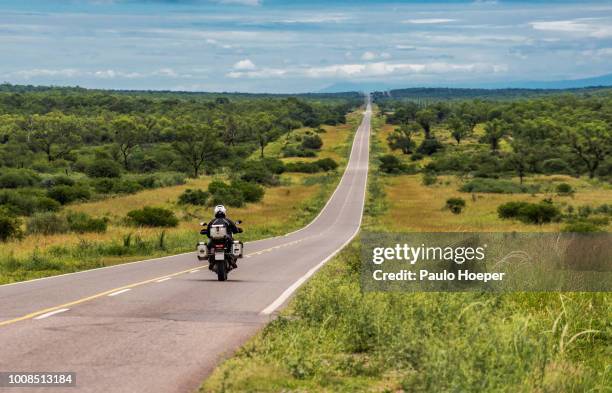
{"x": 368, "y": 70}
{"x": 97, "y": 74}
{"x": 373, "y": 55}
{"x": 588, "y": 27}
{"x": 263, "y": 73}
{"x": 245, "y": 64}
{"x": 429, "y": 21}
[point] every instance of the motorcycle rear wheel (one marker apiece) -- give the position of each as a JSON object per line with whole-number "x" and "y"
{"x": 221, "y": 271}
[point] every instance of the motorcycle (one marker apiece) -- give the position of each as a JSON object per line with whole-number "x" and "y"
{"x": 224, "y": 251}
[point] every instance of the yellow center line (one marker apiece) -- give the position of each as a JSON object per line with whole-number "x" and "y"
{"x": 105, "y": 293}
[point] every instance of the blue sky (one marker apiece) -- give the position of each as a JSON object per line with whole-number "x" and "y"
{"x": 298, "y": 46}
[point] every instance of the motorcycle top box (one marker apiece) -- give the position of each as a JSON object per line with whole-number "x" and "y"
{"x": 218, "y": 231}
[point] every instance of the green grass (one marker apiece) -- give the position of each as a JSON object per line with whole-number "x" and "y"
{"x": 334, "y": 338}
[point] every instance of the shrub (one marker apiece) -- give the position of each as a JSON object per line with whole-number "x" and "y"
{"x": 429, "y": 146}
{"x": 455, "y": 205}
{"x": 223, "y": 194}
{"x": 564, "y": 189}
{"x": 67, "y": 194}
{"x": 193, "y": 197}
{"x": 530, "y": 213}
{"x": 510, "y": 209}
{"x": 47, "y": 224}
{"x": 326, "y": 164}
{"x": 581, "y": 227}
{"x": 302, "y": 167}
{"x": 10, "y": 225}
{"x": 555, "y": 165}
{"x": 416, "y": 157}
{"x": 103, "y": 168}
{"x": 18, "y": 178}
{"x": 497, "y": 187}
{"x": 429, "y": 178}
{"x": 258, "y": 172}
{"x": 126, "y": 186}
{"x": 82, "y": 223}
{"x": 46, "y": 204}
{"x": 391, "y": 164}
{"x": 153, "y": 217}
{"x": 61, "y": 180}
{"x": 274, "y": 165}
{"x": 312, "y": 142}
{"x": 250, "y": 192}
{"x": 296, "y": 151}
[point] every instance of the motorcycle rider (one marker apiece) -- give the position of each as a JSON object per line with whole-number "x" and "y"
{"x": 221, "y": 219}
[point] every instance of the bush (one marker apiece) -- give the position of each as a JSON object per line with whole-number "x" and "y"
{"x": 57, "y": 181}
{"x": 126, "y": 186}
{"x": 103, "y": 168}
{"x": 193, "y": 197}
{"x": 429, "y": 178}
{"x": 510, "y": 209}
{"x": 429, "y": 146}
{"x": 274, "y": 165}
{"x": 18, "y": 178}
{"x": 497, "y": 187}
{"x": 302, "y": 167}
{"x": 67, "y": 194}
{"x": 250, "y": 192}
{"x": 258, "y": 172}
{"x": 326, "y": 164}
{"x": 455, "y": 205}
{"x": 10, "y": 226}
{"x": 555, "y": 165}
{"x": 223, "y": 194}
{"x": 82, "y": 223}
{"x": 47, "y": 224}
{"x": 296, "y": 151}
{"x": 391, "y": 164}
{"x": 564, "y": 189}
{"x": 581, "y": 227}
{"x": 153, "y": 217}
{"x": 312, "y": 142}
{"x": 530, "y": 213}
{"x": 416, "y": 157}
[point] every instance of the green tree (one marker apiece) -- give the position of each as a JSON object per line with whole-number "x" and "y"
{"x": 426, "y": 118}
{"x": 262, "y": 125}
{"x": 459, "y": 128}
{"x": 55, "y": 134}
{"x": 195, "y": 143}
{"x": 401, "y": 138}
{"x": 591, "y": 143}
{"x": 128, "y": 134}
{"x": 495, "y": 130}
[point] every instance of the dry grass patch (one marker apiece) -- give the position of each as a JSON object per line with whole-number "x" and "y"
{"x": 415, "y": 207}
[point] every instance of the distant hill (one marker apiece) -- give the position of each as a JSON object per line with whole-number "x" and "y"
{"x": 438, "y": 94}
{"x": 599, "y": 81}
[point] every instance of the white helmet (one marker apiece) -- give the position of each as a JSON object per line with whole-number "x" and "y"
{"x": 220, "y": 210}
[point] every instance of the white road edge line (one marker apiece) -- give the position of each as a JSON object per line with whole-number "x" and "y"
{"x": 289, "y": 291}
{"x": 194, "y": 271}
{"x": 164, "y": 279}
{"x": 119, "y": 292}
{"x": 47, "y": 315}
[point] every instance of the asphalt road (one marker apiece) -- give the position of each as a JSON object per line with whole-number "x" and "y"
{"x": 162, "y": 325}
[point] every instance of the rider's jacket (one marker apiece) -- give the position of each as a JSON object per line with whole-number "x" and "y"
{"x": 229, "y": 224}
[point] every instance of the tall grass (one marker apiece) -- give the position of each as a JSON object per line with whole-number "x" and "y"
{"x": 336, "y": 338}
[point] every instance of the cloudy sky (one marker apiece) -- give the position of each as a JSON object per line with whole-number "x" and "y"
{"x": 297, "y": 45}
